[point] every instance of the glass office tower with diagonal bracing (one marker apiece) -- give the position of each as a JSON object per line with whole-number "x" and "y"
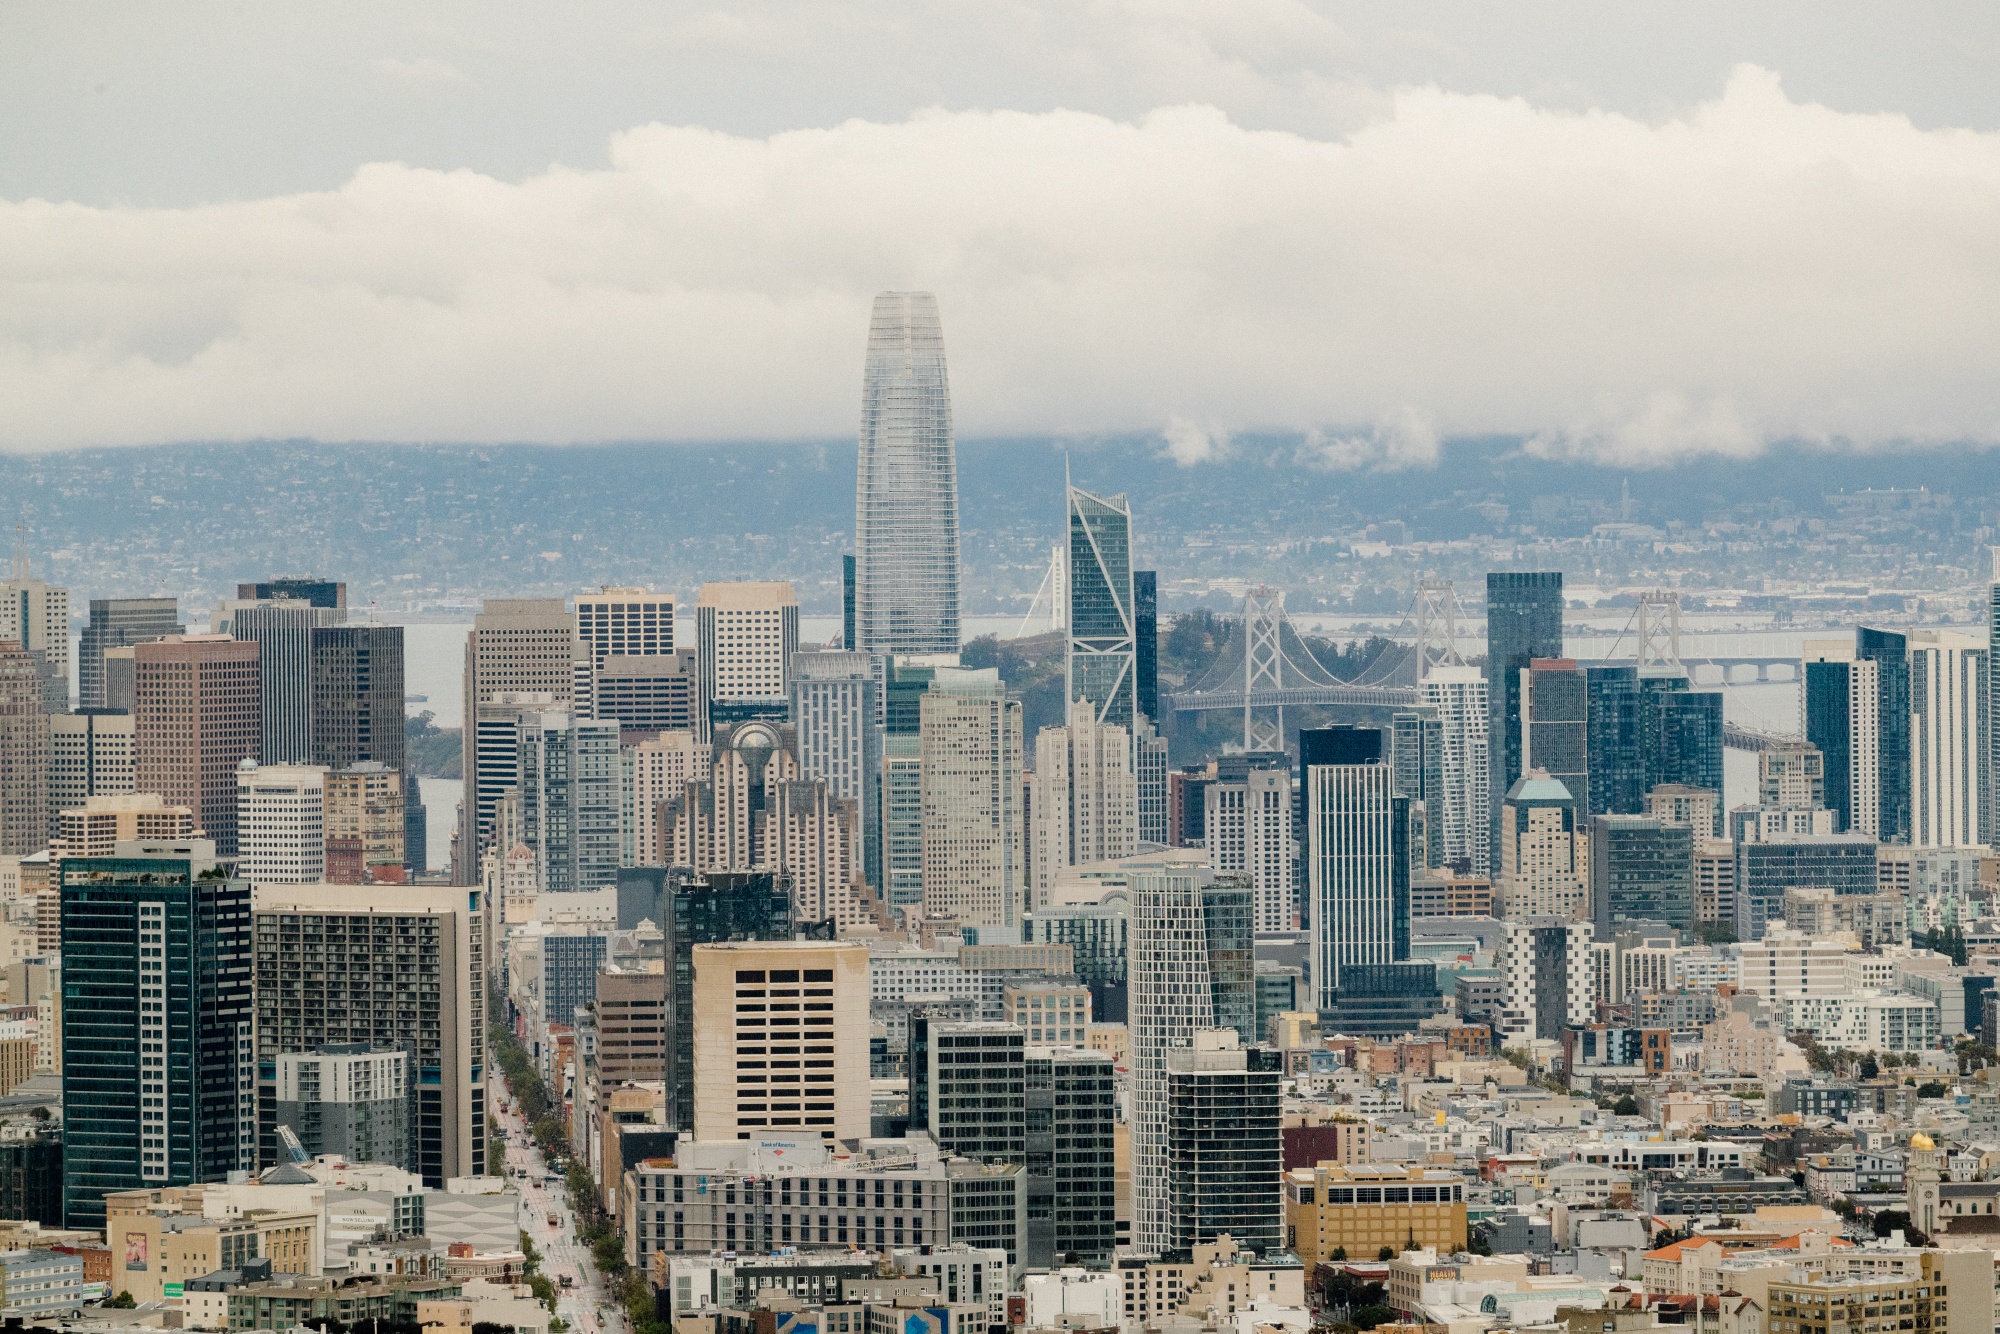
{"x": 1103, "y": 624}
{"x": 1523, "y": 622}
{"x": 906, "y": 486}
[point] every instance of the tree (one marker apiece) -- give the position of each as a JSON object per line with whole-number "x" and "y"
{"x": 1386, "y": 1253}
{"x": 1869, "y": 1067}
{"x": 1716, "y": 933}
{"x": 1889, "y": 1220}
{"x": 1340, "y": 1252}
{"x": 122, "y": 1302}
{"x": 1626, "y": 1106}
{"x": 1931, "y": 1090}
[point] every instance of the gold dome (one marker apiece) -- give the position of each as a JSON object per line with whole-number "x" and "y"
{"x": 1921, "y": 1141}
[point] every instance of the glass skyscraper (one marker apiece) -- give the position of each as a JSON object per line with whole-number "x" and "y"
{"x": 1103, "y": 623}
{"x": 906, "y": 488}
{"x": 1523, "y": 621}
{"x": 1890, "y": 652}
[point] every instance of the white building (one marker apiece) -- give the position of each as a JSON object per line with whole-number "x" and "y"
{"x": 1458, "y": 693}
{"x": 90, "y": 755}
{"x": 1249, "y": 832}
{"x": 1075, "y": 1299}
{"x": 837, "y": 712}
{"x": 281, "y": 823}
{"x": 1790, "y": 963}
{"x": 1548, "y": 970}
{"x": 1357, "y": 855}
{"x": 974, "y": 833}
{"x": 654, "y": 774}
{"x": 617, "y": 623}
{"x": 1086, "y": 799}
{"x": 897, "y": 975}
{"x": 1948, "y": 738}
{"x": 35, "y": 615}
{"x": 1864, "y": 1021}
{"x": 745, "y": 636}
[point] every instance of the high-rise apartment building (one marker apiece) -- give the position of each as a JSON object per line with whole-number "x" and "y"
{"x": 906, "y": 486}
{"x": 1683, "y": 736}
{"x": 974, "y": 836}
{"x": 1146, "y": 645}
{"x": 1418, "y": 751}
{"x": 780, "y": 1039}
{"x": 656, "y": 771}
{"x": 1645, "y": 729}
{"x": 1085, "y": 801}
{"x": 357, "y": 696}
{"x": 198, "y": 711}
{"x": 158, "y": 1027}
{"x": 1463, "y": 819}
{"x": 1357, "y": 870}
{"x": 24, "y": 753}
{"x": 35, "y": 615}
{"x": 1555, "y": 724}
{"x": 1190, "y": 957}
{"x": 1247, "y": 830}
{"x": 1842, "y": 719}
{"x": 903, "y": 821}
{"x": 1548, "y": 978}
{"x": 90, "y": 755}
{"x": 837, "y": 707}
{"x": 1791, "y": 774}
{"x": 1225, "y": 1159}
{"x": 1890, "y": 652}
{"x": 1641, "y": 870}
{"x": 365, "y": 824}
{"x": 709, "y": 910}
{"x": 569, "y": 776}
{"x": 1949, "y": 716}
{"x": 348, "y": 1100}
{"x": 1149, "y": 763}
{"x": 1523, "y": 622}
{"x": 283, "y": 632}
{"x": 341, "y": 964}
{"x": 1677, "y": 803}
{"x": 118, "y": 623}
{"x": 281, "y": 823}
{"x": 519, "y": 647}
{"x": 745, "y": 636}
{"x": 1542, "y": 854}
{"x": 1102, "y": 663}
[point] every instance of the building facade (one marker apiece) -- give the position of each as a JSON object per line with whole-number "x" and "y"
{"x": 1101, "y": 666}
{"x": 781, "y": 1039}
{"x": 1085, "y": 800}
{"x": 118, "y": 623}
{"x": 1357, "y": 870}
{"x": 974, "y": 835}
{"x": 1524, "y": 613}
{"x": 198, "y": 714}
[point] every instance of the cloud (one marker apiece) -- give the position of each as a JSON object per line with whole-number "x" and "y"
{"x": 1609, "y": 287}
{"x": 424, "y": 72}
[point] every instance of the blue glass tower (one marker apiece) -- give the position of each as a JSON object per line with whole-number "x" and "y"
{"x": 1890, "y": 652}
{"x": 1523, "y": 621}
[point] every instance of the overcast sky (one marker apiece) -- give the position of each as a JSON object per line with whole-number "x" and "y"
{"x": 1638, "y": 232}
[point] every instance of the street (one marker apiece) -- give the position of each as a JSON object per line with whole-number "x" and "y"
{"x": 588, "y": 1305}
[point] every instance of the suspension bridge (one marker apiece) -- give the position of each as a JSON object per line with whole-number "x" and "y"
{"x": 1266, "y": 667}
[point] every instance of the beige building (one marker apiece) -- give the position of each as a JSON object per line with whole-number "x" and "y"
{"x": 198, "y": 714}
{"x": 657, "y": 771}
{"x": 1714, "y": 880}
{"x": 1543, "y": 862}
{"x": 522, "y": 647}
{"x": 364, "y": 822}
{"x": 155, "y": 1245}
{"x": 97, "y": 827}
{"x": 1360, "y": 1208}
{"x": 1054, "y": 1014}
{"x": 631, "y": 1026}
{"x": 745, "y": 636}
{"x": 973, "y": 830}
{"x": 780, "y": 1039}
{"x": 281, "y": 823}
{"x": 1949, "y": 1292}
{"x": 24, "y": 753}
{"x": 35, "y": 615}
{"x": 90, "y": 755}
{"x": 1085, "y": 799}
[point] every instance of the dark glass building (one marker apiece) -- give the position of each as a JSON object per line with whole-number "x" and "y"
{"x": 1382, "y": 1000}
{"x": 1225, "y": 1155}
{"x": 357, "y": 695}
{"x": 1890, "y": 652}
{"x": 1419, "y": 760}
{"x": 847, "y": 602}
{"x": 1830, "y": 715}
{"x": 1683, "y": 737}
{"x": 157, "y": 1026}
{"x": 1617, "y": 757}
{"x": 1146, "y": 640}
{"x": 722, "y": 906}
{"x": 118, "y": 623}
{"x": 329, "y": 594}
{"x": 1228, "y": 915}
{"x": 1524, "y": 614}
{"x": 1556, "y": 716}
{"x": 1072, "y": 1156}
{"x": 1097, "y": 936}
{"x": 1844, "y": 863}
{"x": 1641, "y": 870}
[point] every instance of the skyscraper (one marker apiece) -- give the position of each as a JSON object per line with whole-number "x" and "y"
{"x": 1555, "y": 724}
{"x": 35, "y": 615}
{"x": 197, "y": 718}
{"x": 1149, "y": 762}
{"x": 1357, "y": 870}
{"x": 1085, "y": 800}
{"x": 339, "y": 964}
{"x": 974, "y": 853}
{"x": 1102, "y": 666}
{"x": 1616, "y": 737}
{"x": 283, "y": 633}
{"x": 1542, "y": 861}
{"x": 619, "y": 623}
{"x": 1948, "y": 741}
{"x": 751, "y": 1039}
{"x": 1247, "y": 824}
{"x": 1842, "y": 703}
{"x": 1419, "y": 759}
{"x": 1458, "y": 693}
{"x": 517, "y": 646}
{"x": 1523, "y": 622}
{"x": 118, "y": 623}
{"x": 1641, "y": 870}
{"x": 836, "y": 708}
{"x": 1225, "y": 1160}
{"x": 745, "y": 636}
{"x": 708, "y": 910}
{"x": 569, "y": 799}
{"x": 357, "y": 695}
{"x": 327, "y": 594}
{"x": 90, "y": 755}
{"x": 24, "y": 753}
{"x": 158, "y": 1059}
{"x": 281, "y": 823}
{"x": 1146, "y": 646}
{"x": 1683, "y": 737}
{"x": 1890, "y": 652}
{"x": 906, "y": 486}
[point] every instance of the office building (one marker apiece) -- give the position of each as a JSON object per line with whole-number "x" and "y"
{"x": 1949, "y": 718}
{"x": 780, "y": 1039}
{"x": 1461, "y": 819}
{"x": 1247, "y": 830}
{"x": 1677, "y": 803}
{"x": 1682, "y": 736}
{"x": 848, "y": 638}
{"x": 1919, "y": 1280}
{"x": 1191, "y": 964}
{"x": 118, "y": 623}
{"x": 1050, "y": 1012}
{"x": 100, "y": 824}
{"x": 416, "y": 832}
{"x": 1225, "y": 1162}
{"x": 1101, "y": 667}
{"x": 633, "y": 1010}
{"x": 1791, "y": 774}
{"x": 519, "y": 649}
{"x": 906, "y": 486}
{"x": 1641, "y": 870}
{"x": 1842, "y": 721}
{"x": 1615, "y": 736}
{"x": 1187, "y": 807}
{"x": 657, "y": 771}
{"x": 709, "y": 910}
{"x": 348, "y": 1099}
{"x": 569, "y": 774}
{"x": 1555, "y": 724}
{"x": 1843, "y": 863}
{"x": 1357, "y": 870}
{"x": 35, "y": 615}
{"x": 1523, "y": 622}
{"x": 621, "y": 623}
{"x": 349, "y": 964}
{"x": 1418, "y": 748}
{"x": 283, "y": 633}
{"x": 1890, "y": 652}
{"x": 654, "y": 694}
{"x": 1359, "y": 1208}
{"x": 1542, "y": 854}
{"x": 1146, "y": 643}
{"x": 365, "y": 824}
{"x": 326, "y": 594}
{"x": 281, "y": 823}
{"x": 357, "y": 696}
{"x": 571, "y": 958}
{"x": 1382, "y": 1000}
{"x": 1993, "y": 711}
{"x": 1149, "y": 762}
{"x": 837, "y": 706}
{"x": 1548, "y": 978}
{"x": 1714, "y": 881}
{"x": 968, "y": 1087}
{"x": 90, "y": 755}
{"x": 1097, "y": 935}
{"x": 24, "y": 753}
{"x": 197, "y": 718}
{"x": 974, "y": 835}
{"x": 1085, "y": 800}
{"x": 745, "y": 636}
{"x": 157, "y": 1024}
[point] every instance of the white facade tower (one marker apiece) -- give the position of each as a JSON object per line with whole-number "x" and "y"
{"x": 1458, "y": 693}
{"x": 1948, "y": 708}
{"x": 906, "y": 487}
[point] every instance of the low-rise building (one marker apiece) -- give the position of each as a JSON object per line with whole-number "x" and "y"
{"x": 1360, "y": 1208}
{"x": 38, "y": 1285}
